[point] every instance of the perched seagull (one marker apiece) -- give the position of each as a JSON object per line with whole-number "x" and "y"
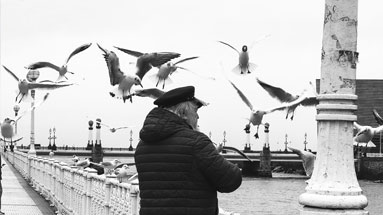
{"x": 145, "y": 61}
{"x": 377, "y": 117}
{"x": 256, "y": 116}
{"x": 219, "y": 147}
{"x": 366, "y": 133}
{"x": 83, "y": 163}
{"x": 8, "y": 123}
{"x": 75, "y": 159}
{"x": 167, "y": 69}
{"x": 63, "y": 69}
{"x": 122, "y": 172}
{"x": 283, "y": 96}
{"x": 122, "y": 164}
{"x": 110, "y": 165}
{"x": 24, "y": 86}
{"x": 308, "y": 160}
{"x": 123, "y": 82}
{"x": 113, "y": 129}
{"x": 244, "y": 66}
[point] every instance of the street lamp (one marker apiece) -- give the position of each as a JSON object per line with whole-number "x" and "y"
{"x": 305, "y": 142}
{"x": 16, "y": 108}
{"x": 32, "y": 76}
{"x": 286, "y": 143}
{"x": 131, "y": 139}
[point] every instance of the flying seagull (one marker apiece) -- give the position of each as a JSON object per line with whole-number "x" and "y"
{"x": 308, "y": 160}
{"x": 283, "y": 96}
{"x": 114, "y": 129}
{"x": 63, "y": 69}
{"x": 256, "y": 116}
{"x": 24, "y": 86}
{"x": 244, "y": 66}
{"x": 122, "y": 82}
{"x": 167, "y": 69}
{"x": 153, "y": 93}
{"x": 366, "y": 133}
{"x": 145, "y": 61}
{"x": 8, "y": 123}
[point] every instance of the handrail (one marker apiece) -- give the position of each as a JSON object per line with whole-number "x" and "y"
{"x": 75, "y": 191}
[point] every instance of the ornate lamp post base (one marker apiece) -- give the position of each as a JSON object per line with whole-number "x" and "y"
{"x": 316, "y": 211}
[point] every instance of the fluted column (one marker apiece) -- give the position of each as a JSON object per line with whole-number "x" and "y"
{"x": 333, "y": 187}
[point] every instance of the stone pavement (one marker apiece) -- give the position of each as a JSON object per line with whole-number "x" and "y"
{"x": 19, "y": 198}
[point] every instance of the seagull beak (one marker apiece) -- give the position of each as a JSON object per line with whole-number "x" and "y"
{"x": 141, "y": 85}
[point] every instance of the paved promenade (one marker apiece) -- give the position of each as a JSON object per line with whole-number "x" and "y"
{"x": 20, "y": 198}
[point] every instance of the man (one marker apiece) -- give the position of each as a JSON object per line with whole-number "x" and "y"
{"x": 179, "y": 169}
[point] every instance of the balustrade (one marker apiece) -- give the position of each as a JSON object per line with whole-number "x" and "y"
{"x": 75, "y": 191}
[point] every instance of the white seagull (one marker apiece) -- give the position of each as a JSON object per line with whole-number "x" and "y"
{"x": 75, "y": 159}
{"x": 24, "y": 86}
{"x": 153, "y": 93}
{"x": 110, "y": 165}
{"x": 283, "y": 96}
{"x": 167, "y": 69}
{"x": 256, "y": 116}
{"x": 308, "y": 160}
{"x": 244, "y": 66}
{"x": 145, "y": 61}
{"x": 63, "y": 69}
{"x": 122, "y": 82}
{"x": 7, "y": 126}
{"x": 366, "y": 133}
{"x": 83, "y": 163}
{"x": 114, "y": 129}
{"x": 122, "y": 172}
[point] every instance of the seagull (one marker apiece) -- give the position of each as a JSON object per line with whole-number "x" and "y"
{"x": 283, "y": 96}
{"x": 8, "y": 123}
{"x": 63, "y": 69}
{"x": 377, "y": 117}
{"x": 123, "y": 82}
{"x": 145, "y": 61}
{"x": 167, "y": 69}
{"x": 308, "y": 160}
{"x": 244, "y": 66}
{"x": 366, "y": 133}
{"x": 113, "y": 129}
{"x": 256, "y": 116}
{"x": 110, "y": 165}
{"x": 24, "y": 86}
{"x": 122, "y": 172}
{"x": 83, "y": 163}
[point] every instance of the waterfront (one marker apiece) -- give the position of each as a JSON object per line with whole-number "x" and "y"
{"x": 276, "y": 196}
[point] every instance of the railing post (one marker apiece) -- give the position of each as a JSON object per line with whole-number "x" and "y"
{"x": 88, "y": 194}
{"x": 55, "y": 183}
{"x": 50, "y": 179}
{"x": 29, "y": 169}
{"x": 108, "y": 191}
{"x": 134, "y": 200}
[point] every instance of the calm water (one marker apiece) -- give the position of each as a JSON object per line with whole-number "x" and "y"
{"x": 273, "y": 196}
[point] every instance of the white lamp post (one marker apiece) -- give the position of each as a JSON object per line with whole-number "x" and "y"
{"x": 32, "y": 76}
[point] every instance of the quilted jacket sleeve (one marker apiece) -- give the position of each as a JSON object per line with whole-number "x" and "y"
{"x": 222, "y": 174}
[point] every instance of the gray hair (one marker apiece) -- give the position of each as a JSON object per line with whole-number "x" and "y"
{"x": 182, "y": 108}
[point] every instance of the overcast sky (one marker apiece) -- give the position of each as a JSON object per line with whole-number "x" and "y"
{"x": 49, "y": 30}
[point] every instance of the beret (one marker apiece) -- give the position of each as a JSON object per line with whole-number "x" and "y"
{"x": 178, "y": 95}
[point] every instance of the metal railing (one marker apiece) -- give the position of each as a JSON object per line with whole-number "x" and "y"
{"x": 75, "y": 191}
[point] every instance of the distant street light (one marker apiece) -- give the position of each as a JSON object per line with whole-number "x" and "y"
{"x": 16, "y": 108}
{"x": 131, "y": 139}
{"x": 305, "y": 142}
{"x": 32, "y": 76}
{"x": 286, "y": 143}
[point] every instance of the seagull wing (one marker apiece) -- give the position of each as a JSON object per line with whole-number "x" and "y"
{"x": 32, "y": 108}
{"x": 78, "y": 50}
{"x": 377, "y": 117}
{"x": 379, "y": 129}
{"x": 156, "y": 59}
{"x": 243, "y": 97}
{"x": 122, "y": 164}
{"x": 130, "y": 52}
{"x": 186, "y": 59}
{"x": 308, "y": 160}
{"x": 290, "y": 105}
{"x": 112, "y": 61}
{"x": 310, "y": 101}
{"x": 46, "y": 86}
{"x": 43, "y": 64}
{"x": 154, "y": 93}
{"x": 105, "y": 125}
{"x": 276, "y": 92}
{"x": 230, "y": 46}
{"x": 13, "y": 74}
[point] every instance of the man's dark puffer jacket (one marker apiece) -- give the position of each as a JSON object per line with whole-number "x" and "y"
{"x": 179, "y": 169}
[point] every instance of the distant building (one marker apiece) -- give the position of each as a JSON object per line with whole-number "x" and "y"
{"x": 370, "y": 96}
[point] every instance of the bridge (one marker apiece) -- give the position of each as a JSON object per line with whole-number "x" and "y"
{"x": 71, "y": 190}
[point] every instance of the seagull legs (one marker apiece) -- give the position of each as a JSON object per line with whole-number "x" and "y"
{"x": 256, "y": 134}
